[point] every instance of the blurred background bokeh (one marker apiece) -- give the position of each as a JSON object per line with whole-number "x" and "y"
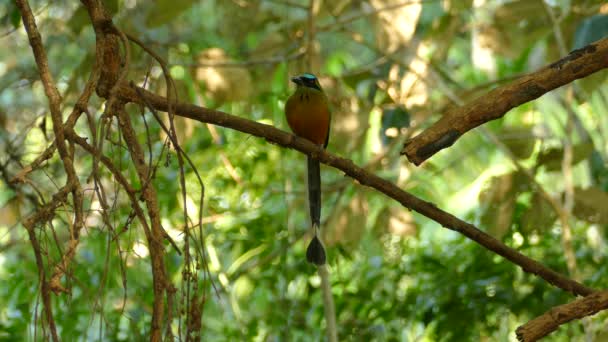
{"x": 390, "y": 68}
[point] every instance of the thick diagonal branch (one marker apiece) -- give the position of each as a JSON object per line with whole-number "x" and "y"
{"x": 548, "y": 322}
{"x": 128, "y": 93}
{"x": 495, "y": 104}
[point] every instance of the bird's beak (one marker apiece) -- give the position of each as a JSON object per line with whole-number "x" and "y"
{"x": 296, "y": 80}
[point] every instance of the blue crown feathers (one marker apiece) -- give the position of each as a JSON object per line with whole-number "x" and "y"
{"x": 309, "y": 76}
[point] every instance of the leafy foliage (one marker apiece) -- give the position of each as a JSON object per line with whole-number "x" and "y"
{"x": 390, "y": 70}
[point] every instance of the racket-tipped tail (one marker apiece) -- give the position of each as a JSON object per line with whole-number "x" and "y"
{"x": 315, "y": 253}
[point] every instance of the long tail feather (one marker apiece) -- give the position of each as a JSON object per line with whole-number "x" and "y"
{"x": 314, "y": 190}
{"x": 315, "y": 253}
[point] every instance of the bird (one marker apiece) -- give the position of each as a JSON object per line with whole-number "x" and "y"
{"x": 308, "y": 115}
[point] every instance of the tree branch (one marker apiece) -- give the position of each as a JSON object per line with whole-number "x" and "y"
{"x": 73, "y": 183}
{"x": 45, "y": 213}
{"x": 548, "y": 322}
{"x": 155, "y": 239}
{"x": 274, "y": 135}
{"x": 495, "y": 104}
{"x": 112, "y": 75}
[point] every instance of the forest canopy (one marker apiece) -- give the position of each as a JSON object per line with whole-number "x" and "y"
{"x": 151, "y": 188}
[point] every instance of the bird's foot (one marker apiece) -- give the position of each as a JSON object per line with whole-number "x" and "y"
{"x": 316, "y": 153}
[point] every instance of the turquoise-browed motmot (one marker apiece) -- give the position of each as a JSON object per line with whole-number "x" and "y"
{"x": 308, "y": 116}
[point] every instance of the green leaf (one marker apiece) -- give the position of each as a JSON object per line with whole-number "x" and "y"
{"x": 79, "y": 20}
{"x": 599, "y": 171}
{"x": 393, "y": 117}
{"x": 519, "y": 140}
{"x": 15, "y": 16}
{"x": 591, "y": 205}
{"x": 354, "y": 79}
{"x": 111, "y": 6}
{"x": 539, "y": 216}
{"x": 498, "y": 202}
{"x": 552, "y": 158}
{"x": 166, "y": 11}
